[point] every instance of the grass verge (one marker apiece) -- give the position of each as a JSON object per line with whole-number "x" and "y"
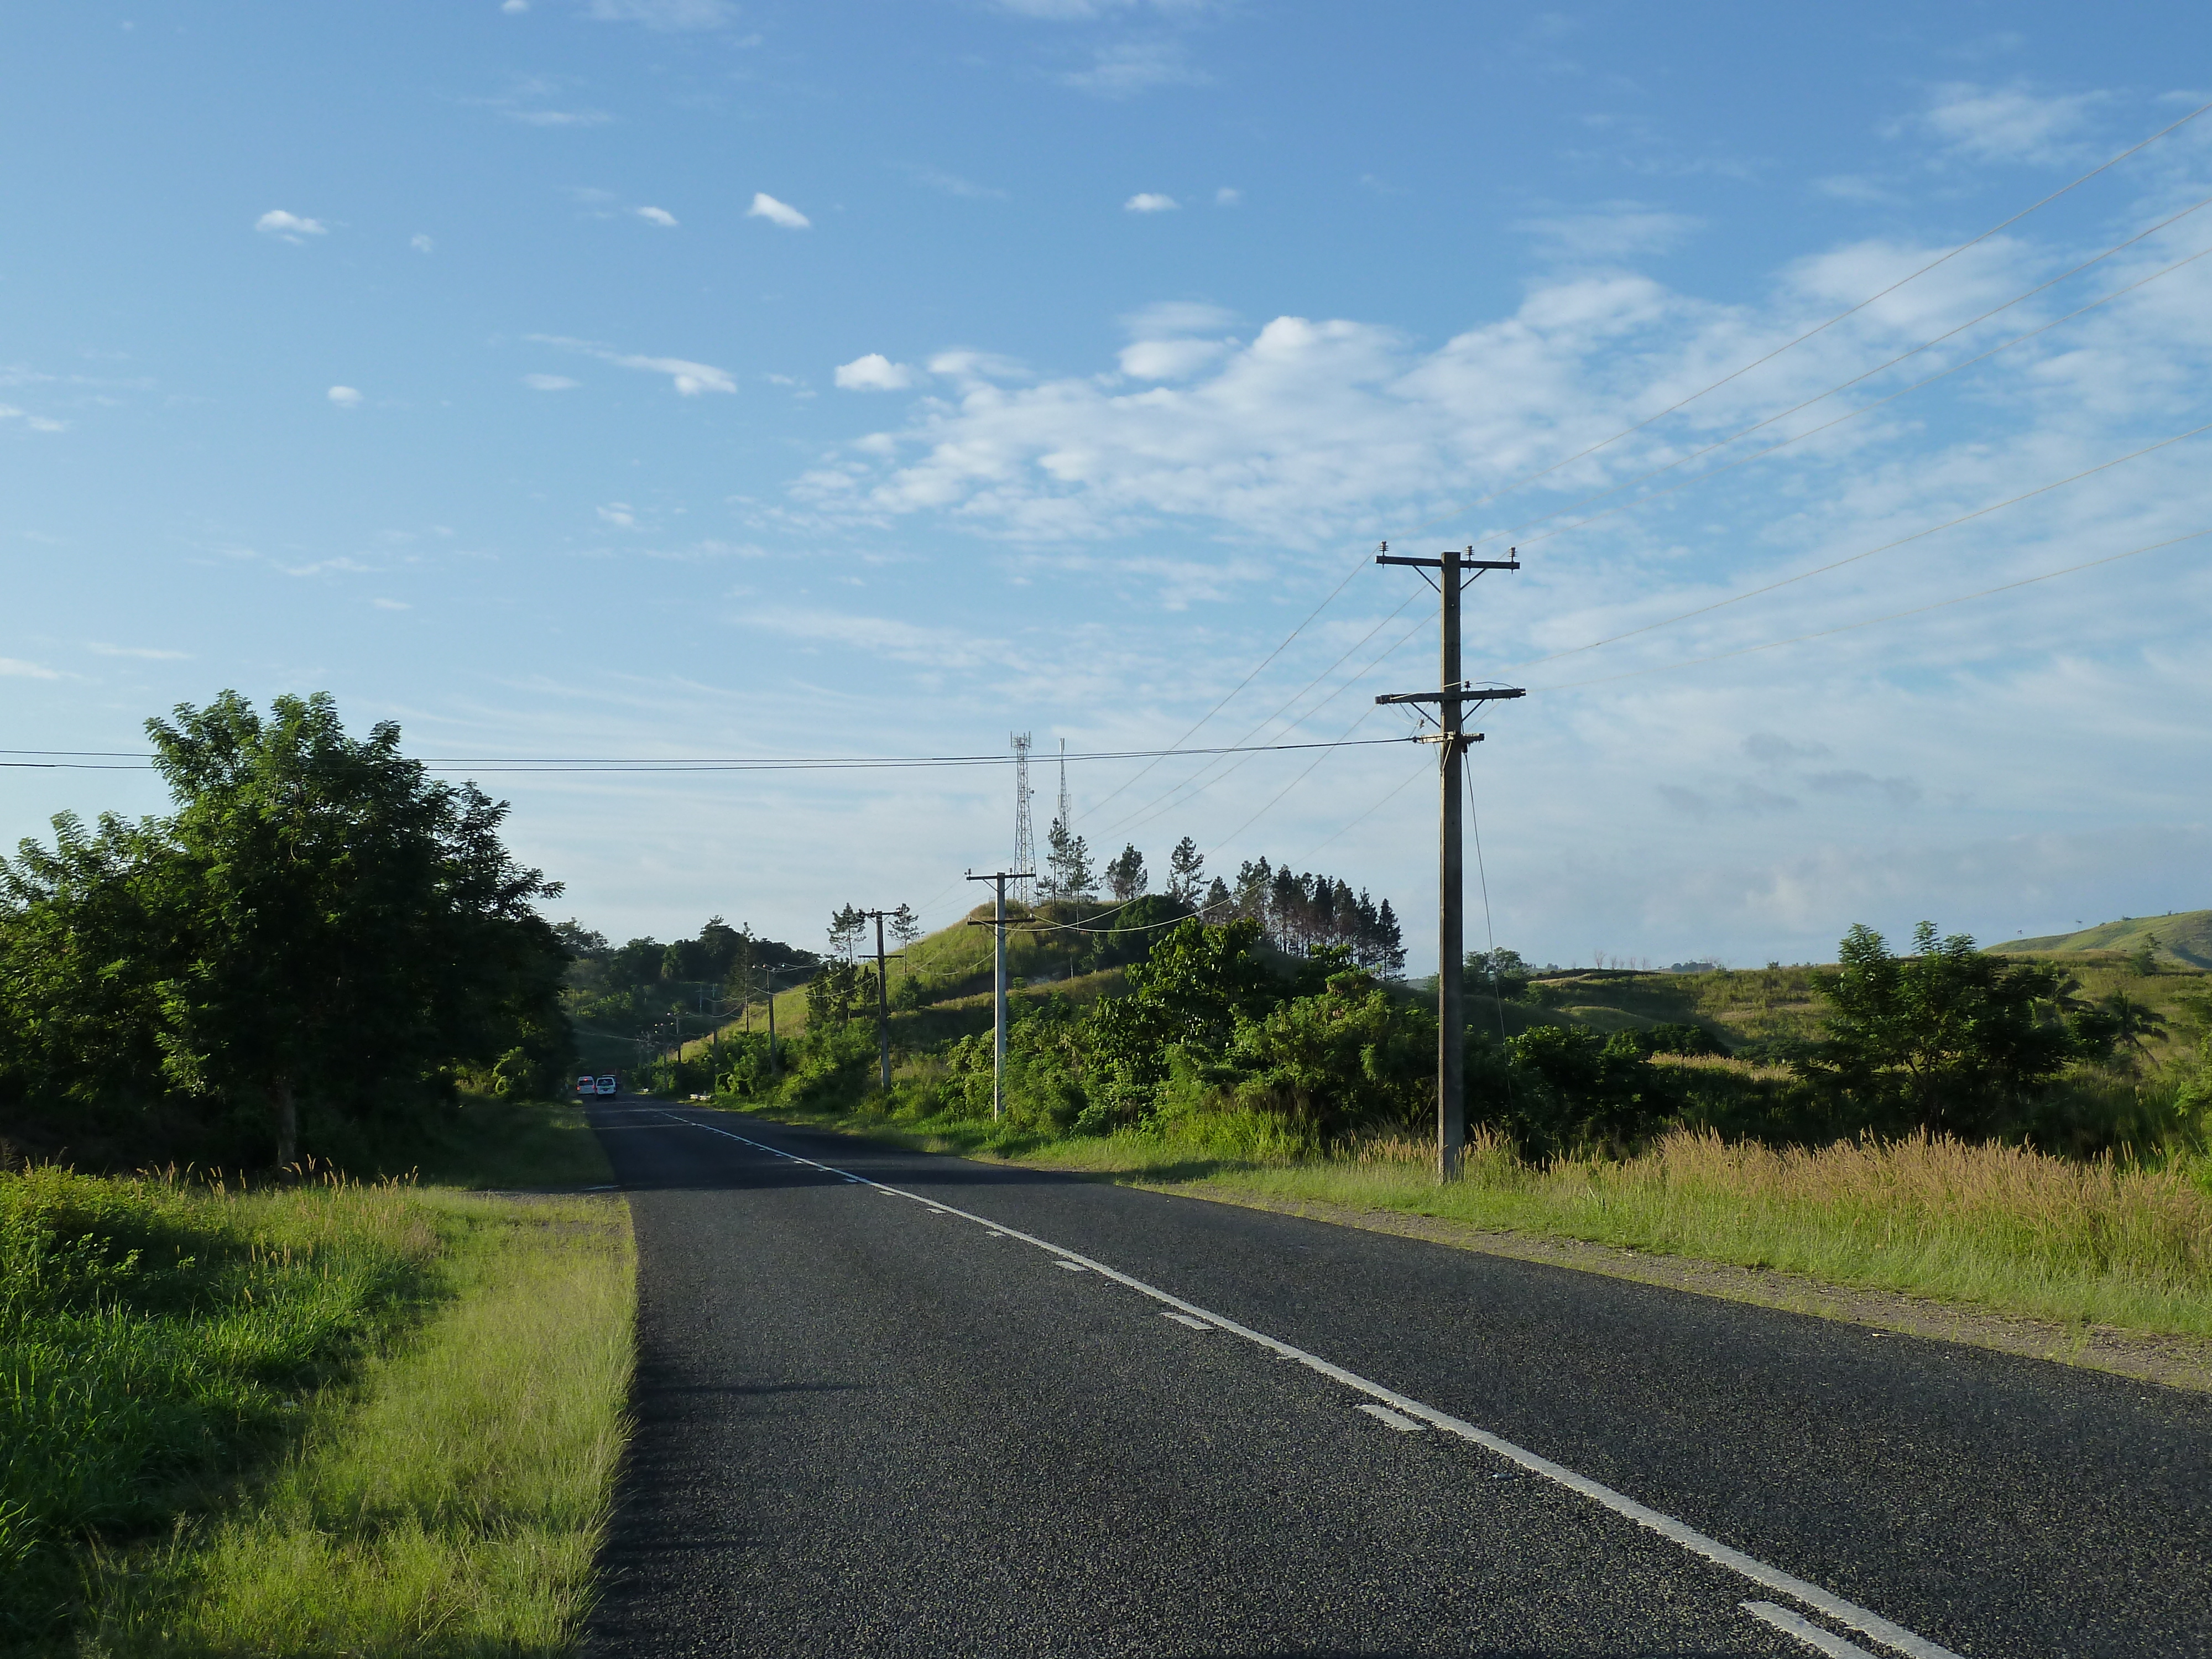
{"x": 327, "y": 1419}
{"x": 1999, "y": 1228}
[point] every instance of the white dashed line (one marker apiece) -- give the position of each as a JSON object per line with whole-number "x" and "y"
{"x": 1385, "y": 1414}
{"x": 1889, "y": 1634}
{"x": 1185, "y": 1319}
{"x": 1805, "y": 1630}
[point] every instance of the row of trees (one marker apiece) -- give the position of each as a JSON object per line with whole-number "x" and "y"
{"x": 316, "y": 925}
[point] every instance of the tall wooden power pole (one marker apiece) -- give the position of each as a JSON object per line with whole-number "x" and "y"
{"x": 997, "y": 926}
{"x": 1452, "y": 739}
{"x": 883, "y": 1003}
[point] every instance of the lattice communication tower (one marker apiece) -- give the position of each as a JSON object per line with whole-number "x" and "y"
{"x": 1024, "y": 839}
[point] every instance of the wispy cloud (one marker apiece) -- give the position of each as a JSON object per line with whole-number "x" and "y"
{"x": 344, "y": 397}
{"x": 2013, "y": 123}
{"x": 690, "y": 379}
{"x": 653, "y": 216}
{"x": 1149, "y": 201}
{"x": 1226, "y": 197}
{"x": 670, "y": 16}
{"x": 391, "y": 605}
{"x": 953, "y": 185}
{"x": 36, "y": 423}
{"x": 1613, "y": 232}
{"x": 875, "y": 372}
{"x": 765, "y": 206}
{"x": 149, "y": 653}
{"x": 421, "y": 242}
{"x": 548, "y": 383}
{"x": 289, "y": 226}
{"x": 1126, "y": 68}
{"x": 27, "y": 671}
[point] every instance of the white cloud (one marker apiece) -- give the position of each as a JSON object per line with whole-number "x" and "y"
{"x": 661, "y": 217}
{"x": 2009, "y": 123}
{"x": 548, "y": 383}
{"x": 421, "y": 242}
{"x": 148, "y": 654}
{"x": 288, "y": 227}
{"x": 36, "y": 423}
{"x": 344, "y": 397}
{"x": 688, "y": 378}
{"x": 1227, "y": 198}
{"x": 514, "y": 7}
{"x": 953, "y": 185}
{"x": 619, "y": 515}
{"x": 391, "y": 605}
{"x": 765, "y": 206}
{"x": 1126, "y": 68}
{"x": 875, "y": 372}
{"x": 1149, "y": 201}
{"x": 1609, "y": 233}
{"x": 27, "y": 671}
{"x": 668, "y": 15}
{"x": 1168, "y": 360}
{"x": 559, "y": 118}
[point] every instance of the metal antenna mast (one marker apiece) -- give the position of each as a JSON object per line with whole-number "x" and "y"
{"x": 1066, "y": 813}
{"x": 1024, "y": 839}
{"x": 1452, "y": 740}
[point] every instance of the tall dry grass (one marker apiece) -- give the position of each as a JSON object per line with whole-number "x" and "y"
{"x": 2011, "y": 1229}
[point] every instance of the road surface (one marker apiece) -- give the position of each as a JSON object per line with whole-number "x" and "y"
{"x": 893, "y": 1403}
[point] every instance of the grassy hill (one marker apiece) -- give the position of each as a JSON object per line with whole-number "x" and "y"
{"x": 2183, "y": 937}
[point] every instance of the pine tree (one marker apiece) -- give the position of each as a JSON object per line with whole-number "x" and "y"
{"x": 1186, "y": 871}
{"x": 1219, "y": 903}
{"x": 1069, "y": 865}
{"x": 1125, "y": 876}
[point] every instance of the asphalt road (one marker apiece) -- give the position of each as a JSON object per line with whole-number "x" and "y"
{"x": 891, "y": 1403}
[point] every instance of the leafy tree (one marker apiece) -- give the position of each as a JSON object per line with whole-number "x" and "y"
{"x": 1218, "y": 900}
{"x": 582, "y": 943}
{"x": 1347, "y": 1056}
{"x": 1125, "y": 875}
{"x": 1568, "y": 1088}
{"x": 905, "y": 925}
{"x": 1949, "y": 1040}
{"x": 318, "y": 920}
{"x": 1190, "y": 990}
{"x": 1499, "y": 973}
{"x": 1186, "y": 872}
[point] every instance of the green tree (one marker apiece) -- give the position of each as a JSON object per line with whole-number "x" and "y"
{"x": 1949, "y": 1040}
{"x": 1190, "y": 990}
{"x": 317, "y": 920}
{"x": 1185, "y": 872}
{"x": 1125, "y": 874}
{"x": 1068, "y": 865}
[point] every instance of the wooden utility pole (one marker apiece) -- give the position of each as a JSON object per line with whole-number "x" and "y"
{"x": 997, "y": 926}
{"x": 883, "y": 1003}
{"x": 1452, "y": 739}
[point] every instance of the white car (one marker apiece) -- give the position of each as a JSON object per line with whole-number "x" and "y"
{"x": 587, "y": 1085}
{"x": 606, "y": 1085}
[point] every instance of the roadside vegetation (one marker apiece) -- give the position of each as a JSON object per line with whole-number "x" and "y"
{"x": 284, "y": 1369}
{"x": 2025, "y": 1132}
{"x": 319, "y": 1416}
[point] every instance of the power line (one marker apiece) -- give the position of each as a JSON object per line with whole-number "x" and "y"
{"x": 1869, "y": 622}
{"x": 1821, "y": 328}
{"x": 1461, "y": 509}
{"x": 1519, "y": 532}
{"x": 1824, "y": 425}
{"x": 488, "y": 765}
{"x": 1837, "y": 564}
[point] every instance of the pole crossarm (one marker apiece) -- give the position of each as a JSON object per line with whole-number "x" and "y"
{"x": 1461, "y": 695}
{"x": 1438, "y": 564}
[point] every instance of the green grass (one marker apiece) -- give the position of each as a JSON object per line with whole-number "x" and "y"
{"x": 2000, "y": 1228}
{"x": 333, "y": 1418}
{"x": 2184, "y": 936}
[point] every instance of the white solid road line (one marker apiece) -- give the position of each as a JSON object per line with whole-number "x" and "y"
{"x": 1385, "y": 1414}
{"x": 1820, "y": 1641}
{"x": 1071, "y": 1266}
{"x": 1890, "y": 1634}
{"x": 1179, "y": 1318}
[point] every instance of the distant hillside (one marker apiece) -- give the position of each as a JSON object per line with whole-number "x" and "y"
{"x": 2185, "y": 936}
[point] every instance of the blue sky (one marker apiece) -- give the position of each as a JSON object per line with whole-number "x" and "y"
{"x": 673, "y": 378}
